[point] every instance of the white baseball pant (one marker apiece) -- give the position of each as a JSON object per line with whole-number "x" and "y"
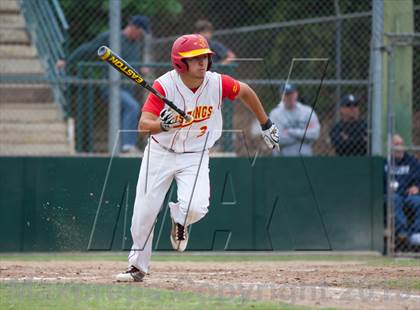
{"x": 158, "y": 168}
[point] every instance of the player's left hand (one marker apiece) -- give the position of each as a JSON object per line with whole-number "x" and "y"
{"x": 270, "y": 134}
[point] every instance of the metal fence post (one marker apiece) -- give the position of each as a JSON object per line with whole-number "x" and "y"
{"x": 390, "y": 157}
{"x": 376, "y": 61}
{"x": 338, "y": 61}
{"x": 90, "y": 112}
{"x": 114, "y": 76}
{"x": 79, "y": 111}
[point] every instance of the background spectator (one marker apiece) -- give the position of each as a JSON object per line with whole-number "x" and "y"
{"x": 131, "y": 50}
{"x": 223, "y": 54}
{"x": 349, "y": 135}
{"x": 291, "y": 118}
{"x": 406, "y": 197}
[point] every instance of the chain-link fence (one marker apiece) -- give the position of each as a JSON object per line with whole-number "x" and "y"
{"x": 263, "y": 43}
{"x": 402, "y": 167}
{"x": 403, "y": 198}
{"x": 416, "y": 80}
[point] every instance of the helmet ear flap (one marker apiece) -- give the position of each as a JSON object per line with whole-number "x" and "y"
{"x": 185, "y": 63}
{"x": 210, "y": 62}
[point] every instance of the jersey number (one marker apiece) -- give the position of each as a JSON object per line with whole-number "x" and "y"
{"x": 202, "y": 131}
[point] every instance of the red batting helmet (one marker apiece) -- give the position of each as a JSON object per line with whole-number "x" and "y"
{"x": 189, "y": 46}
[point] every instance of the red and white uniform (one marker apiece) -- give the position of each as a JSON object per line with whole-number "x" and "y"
{"x": 180, "y": 154}
{"x": 204, "y": 104}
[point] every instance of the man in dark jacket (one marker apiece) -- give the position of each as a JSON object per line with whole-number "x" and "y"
{"x": 223, "y": 55}
{"x": 131, "y": 51}
{"x": 349, "y": 135}
{"x": 405, "y": 185}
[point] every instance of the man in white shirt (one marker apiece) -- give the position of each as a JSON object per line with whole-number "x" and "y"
{"x": 292, "y": 118}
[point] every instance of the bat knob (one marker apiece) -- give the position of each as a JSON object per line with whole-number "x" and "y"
{"x": 188, "y": 118}
{"x": 103, "y": 50}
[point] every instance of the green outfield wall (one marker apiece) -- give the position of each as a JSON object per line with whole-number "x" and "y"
{"x": 320, "y": 203}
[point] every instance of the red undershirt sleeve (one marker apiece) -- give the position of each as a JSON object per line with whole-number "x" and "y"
{"x": 230, "y": 87}
{"x": 153, "y": 104}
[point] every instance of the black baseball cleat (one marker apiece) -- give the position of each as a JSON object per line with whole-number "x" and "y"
{"x": 179, "y": 237}
{"x": 133, "y": 274}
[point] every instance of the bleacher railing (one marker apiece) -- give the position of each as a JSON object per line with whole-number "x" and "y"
{"x": 48, "y": 28}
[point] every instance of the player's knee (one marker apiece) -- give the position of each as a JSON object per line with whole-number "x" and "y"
{"x": 197, "y": 210}
{"x": 136, "y": 232}
{"x": 140, "y": 233}
{"x": 141, "y": 227}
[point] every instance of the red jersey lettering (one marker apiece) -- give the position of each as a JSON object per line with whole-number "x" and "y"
{"x": 230, "y": 89}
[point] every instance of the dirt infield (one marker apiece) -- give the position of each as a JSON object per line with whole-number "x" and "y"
{"x": 344, "y": 285}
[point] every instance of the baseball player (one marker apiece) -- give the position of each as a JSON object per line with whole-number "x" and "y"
{"x": 178, "y": 149}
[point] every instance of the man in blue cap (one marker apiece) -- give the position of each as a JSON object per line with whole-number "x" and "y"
{"x": 292, "y": 118}
{"x": 131, "y": 51}
{"x": 349, "y": 135}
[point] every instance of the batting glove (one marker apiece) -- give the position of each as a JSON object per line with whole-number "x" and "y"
{"x": 270, "y": 134}
{"x": 167, "y": 119}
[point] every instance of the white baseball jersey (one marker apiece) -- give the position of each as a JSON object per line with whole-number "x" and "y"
{"x": 204, "y": 105}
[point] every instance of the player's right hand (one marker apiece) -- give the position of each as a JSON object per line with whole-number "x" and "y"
{"x": 168, "y": 119}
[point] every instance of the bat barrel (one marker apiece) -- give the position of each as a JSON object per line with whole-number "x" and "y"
{"x": 107, "y": 55}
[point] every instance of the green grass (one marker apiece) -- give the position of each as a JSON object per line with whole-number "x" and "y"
{"x": 386, "y": 262}
{"x": 404, "y": 284}
{"x": 88, "y": 296}
{"x": 365, "y": 259}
